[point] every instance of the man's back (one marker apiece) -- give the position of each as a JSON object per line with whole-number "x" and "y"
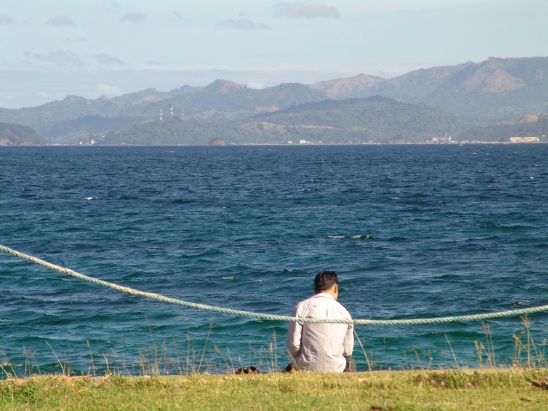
{"x": 320, "y": 346}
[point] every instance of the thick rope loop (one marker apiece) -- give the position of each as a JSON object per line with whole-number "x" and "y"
{"x": 269, "y": 317}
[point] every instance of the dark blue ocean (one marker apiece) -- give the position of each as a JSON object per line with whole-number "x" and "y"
{"x": 413, "y": 231}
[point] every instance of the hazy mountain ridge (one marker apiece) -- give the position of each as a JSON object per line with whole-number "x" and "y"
{"x": 353, "y": 87}
{"x": 493, "y": 91}
{"x": 498, "y": 89}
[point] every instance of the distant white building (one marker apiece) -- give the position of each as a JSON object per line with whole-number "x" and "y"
{"x": 441, "y": 139}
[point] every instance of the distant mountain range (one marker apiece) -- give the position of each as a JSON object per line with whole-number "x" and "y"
{"x": 471, "y": 98}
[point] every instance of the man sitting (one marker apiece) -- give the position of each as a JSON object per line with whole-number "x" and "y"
{"x": 324, "y": 347}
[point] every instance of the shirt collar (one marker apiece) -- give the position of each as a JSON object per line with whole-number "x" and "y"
{"x": 325, "y": 295}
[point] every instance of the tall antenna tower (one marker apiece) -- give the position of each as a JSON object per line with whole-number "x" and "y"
{"x": 182, "y": 114}
{"x": 161, "y": 116}
{"x": 171, "y": 111}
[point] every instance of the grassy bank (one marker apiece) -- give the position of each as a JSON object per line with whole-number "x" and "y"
{"x": 507, "y": 389}
{"x": 165, "y": 379}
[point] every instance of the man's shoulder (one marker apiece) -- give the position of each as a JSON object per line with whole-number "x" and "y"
{"x": 315, "y": 298}
{"x": 304, "y": 303}
{"x": 322, "y": 300}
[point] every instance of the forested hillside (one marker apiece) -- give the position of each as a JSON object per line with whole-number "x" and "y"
{"x": 16, "y": 135}
{"x": 376, "y": 119}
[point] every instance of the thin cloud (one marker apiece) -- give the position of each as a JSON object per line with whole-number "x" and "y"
{"x": 305, "y": 10}
{"x": 105, "y": 59}
{"x": 134, "y": 17}
{"x": 109, "y": 90}
{"x": 5, "y": 19}
{"x": 242, "y": 24}
{"x": 57, "y": 58}
{"x": 60, "y": 21}
{"x": 179, "y": 16}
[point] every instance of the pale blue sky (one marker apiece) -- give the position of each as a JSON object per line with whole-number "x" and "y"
{"x": 53, "y": 48}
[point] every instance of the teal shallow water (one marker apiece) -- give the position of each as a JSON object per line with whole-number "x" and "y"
{"x": 413, "y": 231}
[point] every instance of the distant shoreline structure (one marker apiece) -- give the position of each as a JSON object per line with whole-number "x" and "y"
{"x": 453, "y": 143}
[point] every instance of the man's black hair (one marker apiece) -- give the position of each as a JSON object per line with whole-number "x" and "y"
{"x": 325, "y": 280}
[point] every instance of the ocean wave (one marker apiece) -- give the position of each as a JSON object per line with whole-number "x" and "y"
{"x": 354, "y": 237}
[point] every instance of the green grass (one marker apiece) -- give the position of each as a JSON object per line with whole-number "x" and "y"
{"x": 171, "y": 378}
{"x": 508, "y": 389}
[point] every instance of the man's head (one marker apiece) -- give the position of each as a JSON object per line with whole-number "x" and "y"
{"x": 327, "y": 281}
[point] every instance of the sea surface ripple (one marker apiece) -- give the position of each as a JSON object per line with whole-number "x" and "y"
{"x": 413, "y": 231}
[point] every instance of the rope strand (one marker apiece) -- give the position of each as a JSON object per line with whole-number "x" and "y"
{"x": 269, "y": 317}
